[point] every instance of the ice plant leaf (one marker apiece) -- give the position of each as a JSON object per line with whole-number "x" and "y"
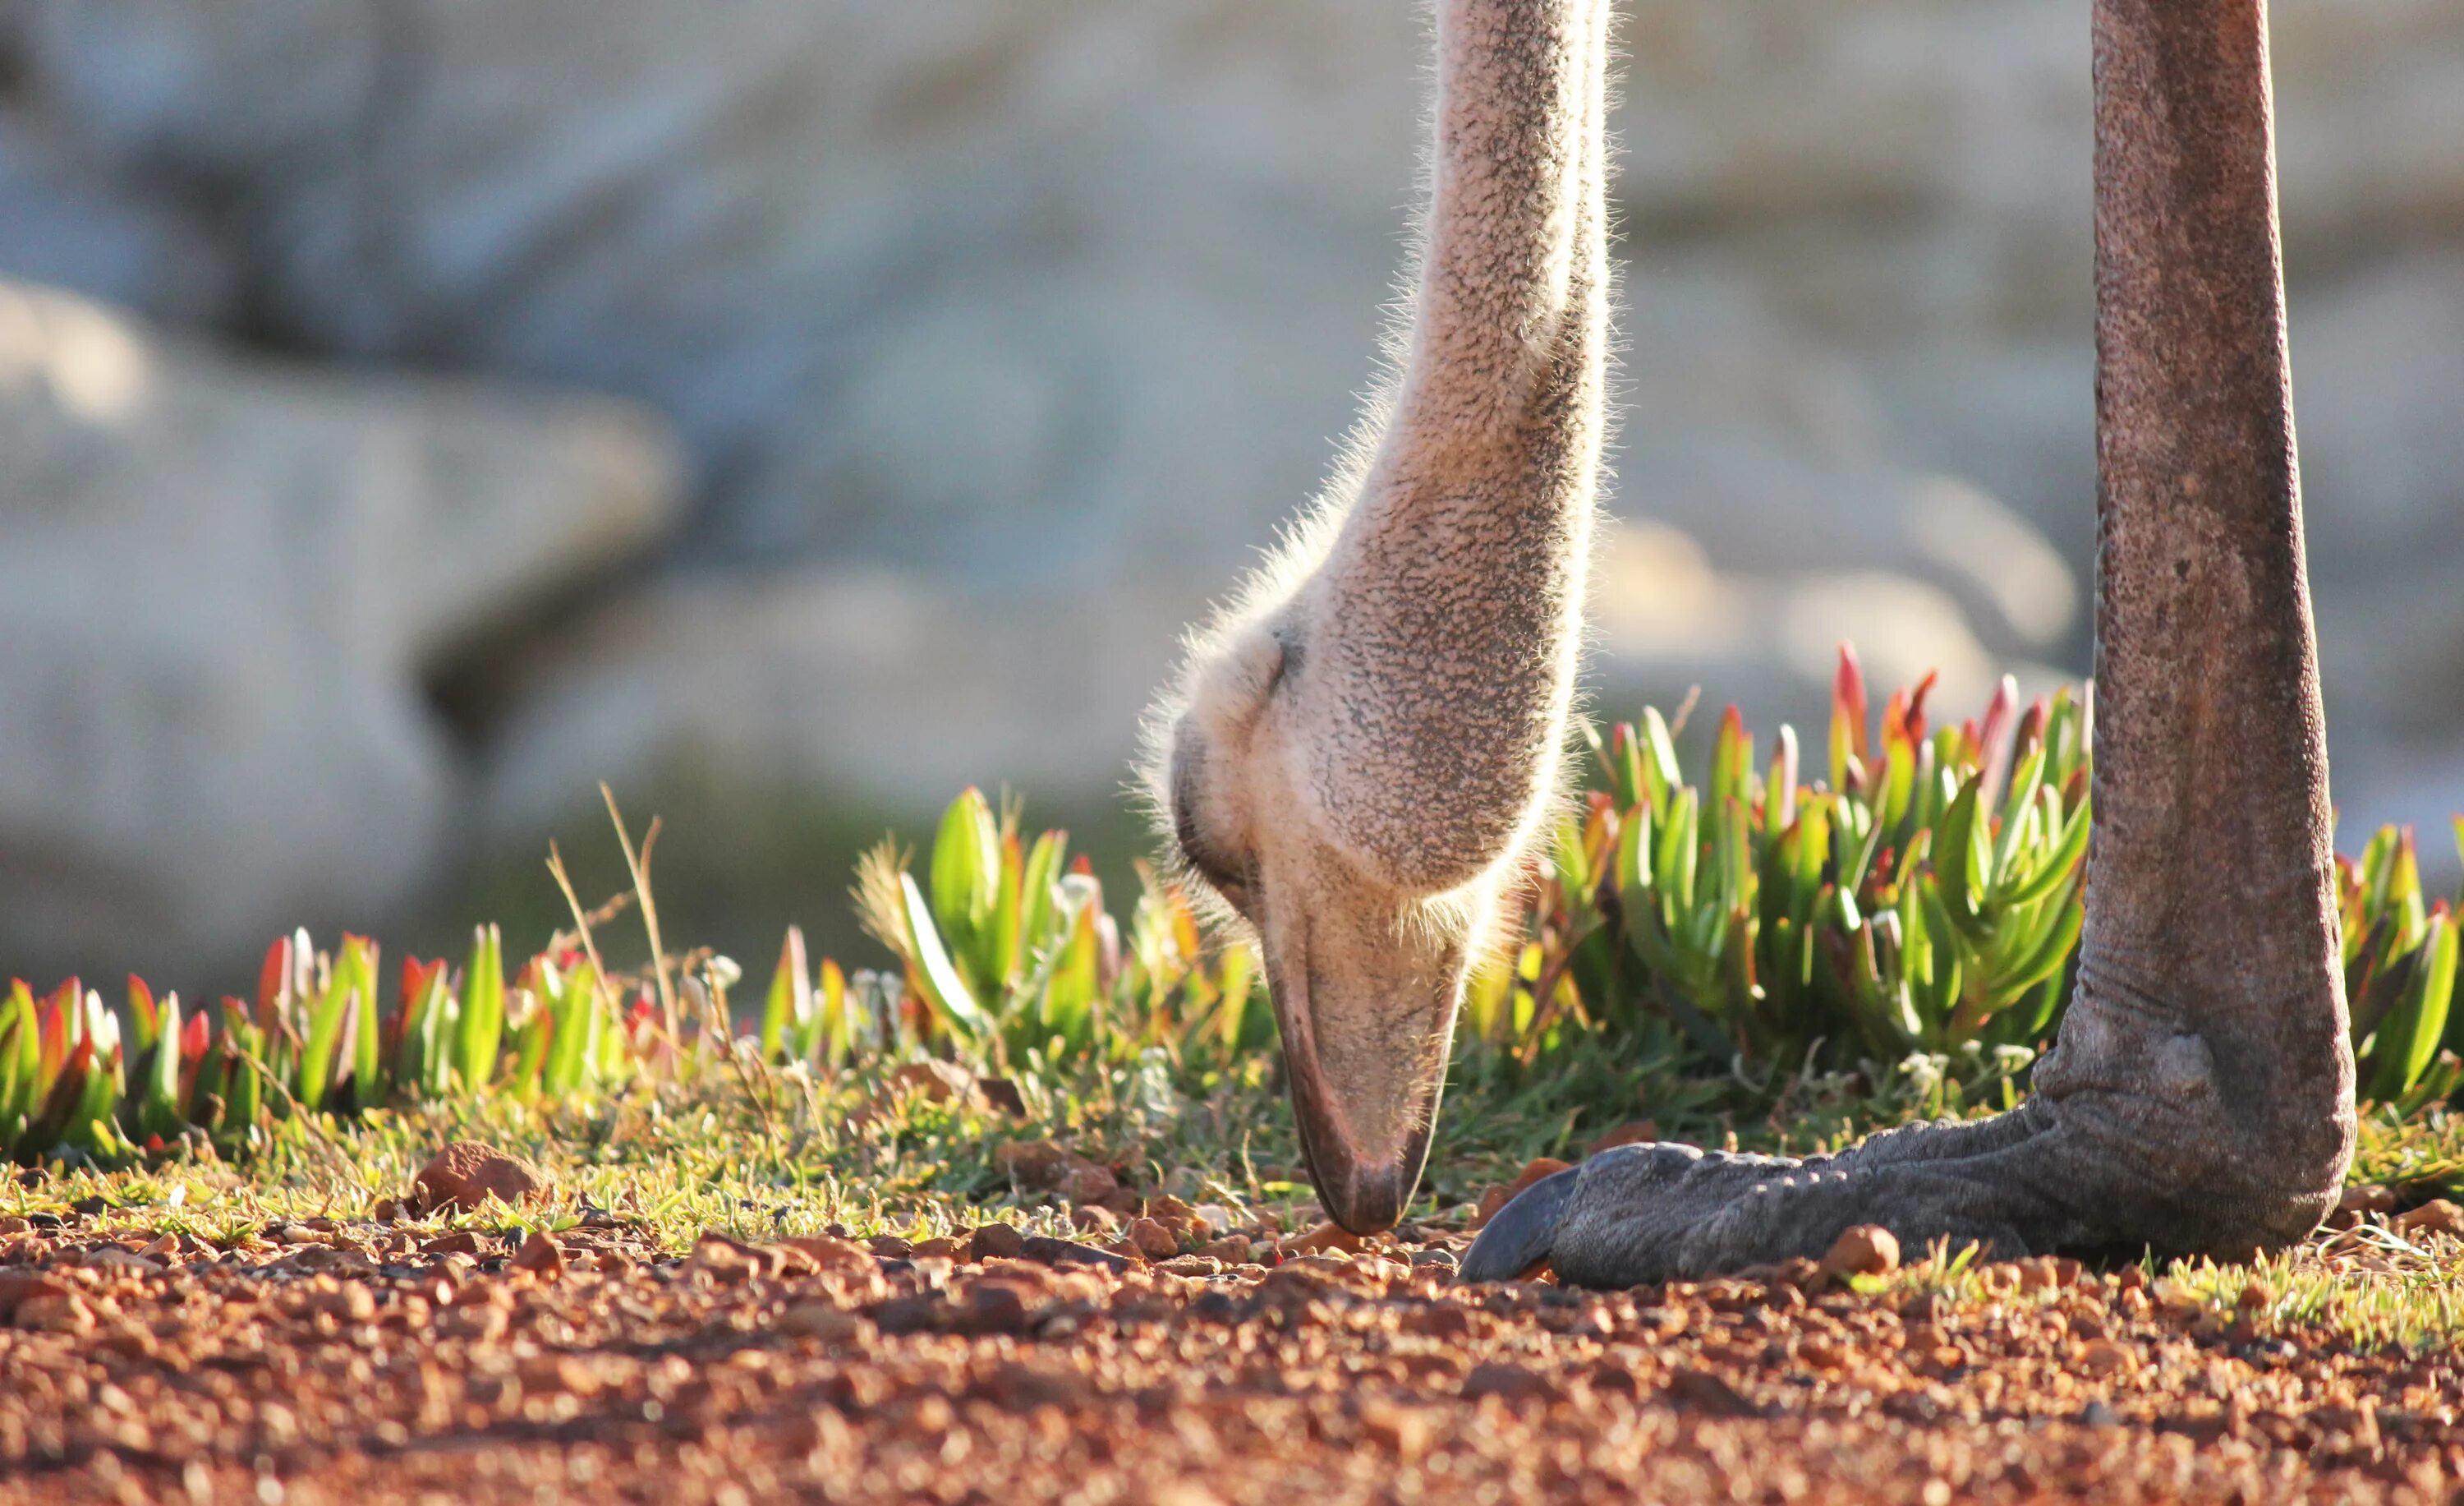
{"x": 1660, "y": 772}
{"x": 482, "y": 1026}
{"x": 144, "y": 1018}
{"x": 2407, "y": 1038}
{"x": 158, "y": 1110}
{"x": 966, "y": 869}
{"x": 790, "y": 1003}
{"x": 946, "y": 992}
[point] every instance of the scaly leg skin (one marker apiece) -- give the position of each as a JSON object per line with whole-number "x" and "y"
{"x": 1644, "y": 1214}
{"x": 2144, "y": 1152}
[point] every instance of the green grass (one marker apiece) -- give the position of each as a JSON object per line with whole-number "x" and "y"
{"x": 782, "y": 1155}
{"x": 1768, "y": 957}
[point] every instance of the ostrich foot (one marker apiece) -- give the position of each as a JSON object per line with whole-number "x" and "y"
{"x": 1642, "y": 1213}
{"x": 2135, "y": 1140}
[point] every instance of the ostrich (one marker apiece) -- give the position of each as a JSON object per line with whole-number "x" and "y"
{"x": 1371, "y": 732}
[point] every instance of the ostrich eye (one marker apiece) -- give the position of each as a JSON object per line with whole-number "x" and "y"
{"x": 1219, "y": 867}
{"x": 1287, "y": 658}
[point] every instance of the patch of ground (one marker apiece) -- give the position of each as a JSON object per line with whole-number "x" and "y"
{"x": 364, "y": 1361}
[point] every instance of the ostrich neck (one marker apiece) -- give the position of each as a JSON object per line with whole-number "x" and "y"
{"x": 2211, "y": 872}
{"x": 1512, "y": 291}
{"x": 1460, "y": 565}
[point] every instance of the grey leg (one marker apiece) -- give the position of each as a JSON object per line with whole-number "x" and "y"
{"x": 2201, "y": 1097}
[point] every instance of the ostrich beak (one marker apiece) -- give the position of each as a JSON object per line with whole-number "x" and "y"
{"x": 1366, "y": 1006}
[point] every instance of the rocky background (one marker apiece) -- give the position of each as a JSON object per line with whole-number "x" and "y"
{"x": 413, "y": 413}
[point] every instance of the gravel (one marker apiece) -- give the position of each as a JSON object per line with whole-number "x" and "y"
{"x": 364, "y": 1363}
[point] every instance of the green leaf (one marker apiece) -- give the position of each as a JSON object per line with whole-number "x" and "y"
{"x": 2017, "y": 808}
{"x": 965, "y": 874}
{"x": 1673, "y": 864}
{"x": 433, "y": 1033}
{"x": 2055, "y": 864}
{"x": 789, "y": 1006}
{"x": 834, "y": 1031}
{"x": 2046, "y": 957}
{"x": 1779, "y": 794}
{"x": 1957, "y": 861}
{"x": 2407, "y": 1038}
{"x": 1627, "y": 780}
{"x": 21, "y": 1058}
{"x": 368, "y": 1063}
{"x": 574, "y": 1010}
{"x": 1660, "y": 773}
{"x": 158, "y": 1110}
{"x": 325, "y": 1013}
{"x": 943, "y": 988}
{"x": 243, "y": 1086}
{"x": 144, "y": 1017}
{"x": 1573, "y": 866}
{"x": 1730, "y": 755}
{"x": 1009, "y": 907}
{"x": 1036, "y": 918}
{"x": 1077, "y": 978}
{"x": 1899, "y": 783}
{"x": 481, "y": 1029}
{"x": 537, "y": 1032}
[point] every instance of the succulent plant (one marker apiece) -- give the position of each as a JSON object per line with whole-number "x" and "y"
{"x": 1921, "y": 894}
{"x": 1918, "y": 896}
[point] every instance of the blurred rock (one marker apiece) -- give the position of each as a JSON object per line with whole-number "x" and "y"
{"x": 1765, "y": 448}
{"x": 226, "y": 587}
{"x": 63, "y": 223}
{"x": 930, "y": 285}
{"x": 874, "y": 685}
{"x": 1000, "y": 338}
{"x": 893, "y": 693}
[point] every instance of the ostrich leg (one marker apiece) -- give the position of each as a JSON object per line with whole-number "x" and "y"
{"x": 2199, "y": 1098}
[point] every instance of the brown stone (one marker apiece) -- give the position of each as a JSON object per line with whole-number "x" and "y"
{"x": 541, "y": 1257}
{"x": 2439, "y": 1217}
{"x": 826, "y": 1321}
{"x": 2358, "y": 1200}
{"x": 2104, "y": 1357}
{"x": 727, "y": 1260}
{"x": 1089, "y": 1183}
{"x": 1867, "y": 1250}
{"x": 17, "y": 1289}
{"x": 466, "y": 1173}
{"x": 1402, "y": 1430}
{"x": 827, "y": 1253}
{"x": 1153, "y": 1240}
{"x": 994, "y": 1242}
{"x": 1035, "y": 1164}
{"x": 1513, "y": 1384}
{"x": 1708, "y": 1391}
{"x": 1323, "y": 1238}
{"x": 64, "y": 1313}
{"x": 993, "y": 1307}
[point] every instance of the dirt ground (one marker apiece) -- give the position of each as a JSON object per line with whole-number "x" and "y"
{"x": 369, "y": 1363}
